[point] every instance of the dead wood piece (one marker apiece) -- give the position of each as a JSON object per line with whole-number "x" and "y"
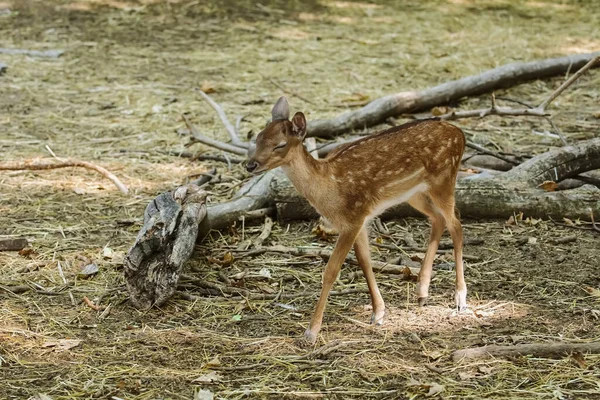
{"x": 153, "y": 264}
{"x": 12, "y": 244}
{"x": 233, "y": 134}
{"x": 379, "y": 110}
{"x": 198, "y": 137}
{"x": 265, "y": 232}
{"x": 534, "y": 349}
{"x": 565, "y": 239}
{"x": 40, "y": 164}
{"x": 33, "y": 53}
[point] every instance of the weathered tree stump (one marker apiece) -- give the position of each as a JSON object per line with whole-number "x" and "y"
{"x": 165, "y": 242}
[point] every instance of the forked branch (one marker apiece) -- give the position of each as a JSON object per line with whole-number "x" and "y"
{"x": 198, "y": 137}
{"x": 539, "y": 111}
{"x": 233, "y": 134}
{"x": 40, "y": 164}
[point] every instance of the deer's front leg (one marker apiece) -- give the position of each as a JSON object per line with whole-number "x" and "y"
{"x": 363, "y": 255}
{"x": 342, "y": 247}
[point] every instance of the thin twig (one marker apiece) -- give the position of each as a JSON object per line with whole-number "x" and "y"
{"x": 40, "y": 164}
{"x": 594, "y": 226}
{"x": 288, "y": 91}
{"x": 568, "y": 83}
{"x": 490, "y": 153}
{"x": 198, "y": 137}
{"x": 235, "y": 139}
{"x": 265, "y": 232}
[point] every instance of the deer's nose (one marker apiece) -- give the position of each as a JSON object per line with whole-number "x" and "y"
{"x": 251, "y": 166}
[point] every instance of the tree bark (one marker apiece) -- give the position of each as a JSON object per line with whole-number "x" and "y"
{"x": 153, "y": 264}
{"x": 385, "y": 107}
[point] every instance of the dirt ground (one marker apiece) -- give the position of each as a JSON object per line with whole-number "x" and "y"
{"x": 115, "y": 98}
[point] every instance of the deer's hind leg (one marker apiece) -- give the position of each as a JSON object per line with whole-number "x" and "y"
{"x": 422, "y": 203}
{"x": 363, "y": 255}
{"x": 443, "y": 201}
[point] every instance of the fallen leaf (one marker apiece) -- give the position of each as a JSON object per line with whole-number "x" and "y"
{"x": 204, "y": 395}
{"x": 88, "y": 270}
{"x": 548, "y": 186}
{"x": 26, "y": 252}
{"x": 466, "y": 376}
{"x": 435, "y": 388}
{"x": 40, "y": 396}
{"x": 579, "y": 359}
{"x": 483, "y": 314}
{"x": 485, "y": 370}
{"x": 567, "y": 221}
{"x": 265, "y": 273}
{"x": 532, "y": 221}
{"x": 435, "y": 355}
{"x": 596, "y": 114}
{"x": 62, "y": 344}
{"x": 207, "y": 87}
{"x": 531, "y": 240}
{"x": 225, "y": 261}
{"x": 107, "y": 252}
{"x": 215, "y": 362}
{"x": 593, "y": 291}
{"x": 236, "y": 318}
{"x": 211, "y": 377}
{"x": 437, "y": 111}
{"x": 79, "y": 190}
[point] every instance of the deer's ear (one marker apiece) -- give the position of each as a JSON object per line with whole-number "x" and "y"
{"x": 281, "y": 110}
{"x": 299, "y": 125}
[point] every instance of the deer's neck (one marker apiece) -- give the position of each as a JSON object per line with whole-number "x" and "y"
{"x": 306, "y": 174}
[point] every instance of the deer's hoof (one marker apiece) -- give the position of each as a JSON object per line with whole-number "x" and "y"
{"x": 377, "y": 318}
{"x": 422, "y": 301}
{"x": 308, "y": 339}
{"x": 460, "y": 299}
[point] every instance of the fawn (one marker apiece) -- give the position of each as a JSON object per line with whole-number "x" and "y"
{"x": 416, "y": 163}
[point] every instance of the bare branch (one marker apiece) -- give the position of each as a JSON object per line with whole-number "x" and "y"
{"x": 235, "y": 139}
{"x": 382, "y": 108}
{"x": 198, "y": 137}
{"x": 38, "y": 164}
{"x": 568, "y": 83}
{"x": 539, "y": 111}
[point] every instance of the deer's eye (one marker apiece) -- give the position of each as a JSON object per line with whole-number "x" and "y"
{"x": 280, "y": 146}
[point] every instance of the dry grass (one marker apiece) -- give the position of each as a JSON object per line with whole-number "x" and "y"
{"x": 115, "y": 97}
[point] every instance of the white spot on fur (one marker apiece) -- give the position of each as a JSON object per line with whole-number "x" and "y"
{"x": 358, "y": 203}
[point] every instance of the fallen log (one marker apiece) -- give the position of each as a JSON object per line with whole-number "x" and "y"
{"x": 252, "y": 196}
{"x": 533, "y": 349}
{"x": 377, "y": 111}
{"x": 153, "y": 264}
